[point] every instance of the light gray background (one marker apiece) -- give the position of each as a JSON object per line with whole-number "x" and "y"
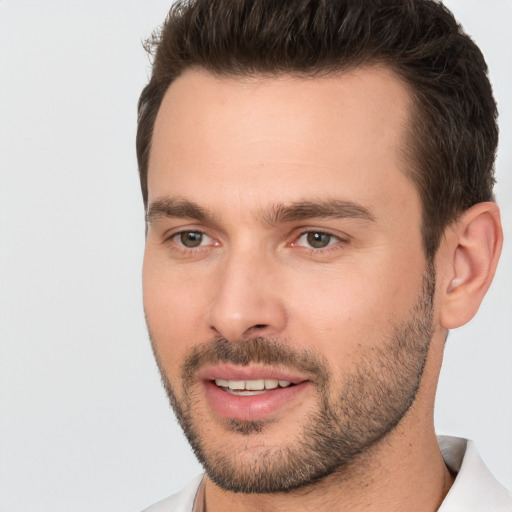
{"x": 84, "y": 424}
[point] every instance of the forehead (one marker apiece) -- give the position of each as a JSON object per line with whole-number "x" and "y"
{"x": 287, "y": 135}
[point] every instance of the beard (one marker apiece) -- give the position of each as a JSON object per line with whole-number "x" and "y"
{"x": 352, "y": 412}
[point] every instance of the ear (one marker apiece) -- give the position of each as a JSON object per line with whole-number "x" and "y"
{"x": 466, "y": 263}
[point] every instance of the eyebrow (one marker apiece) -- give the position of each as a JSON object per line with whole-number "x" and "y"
{"x": 179, "y": 208}
{"x": 330, "y": 208}
{"x": 280, "y": 213}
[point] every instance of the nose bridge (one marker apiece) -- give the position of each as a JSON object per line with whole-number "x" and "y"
{"x": 246, "y": 300}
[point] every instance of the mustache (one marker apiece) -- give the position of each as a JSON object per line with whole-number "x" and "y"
{"x": 267, "y": 351}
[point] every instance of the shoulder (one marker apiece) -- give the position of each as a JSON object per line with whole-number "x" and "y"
{"x": 475, "y": 489}
{"x": 183, "y": 501}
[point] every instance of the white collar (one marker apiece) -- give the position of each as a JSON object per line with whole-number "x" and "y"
{"x": 474, "y": 489}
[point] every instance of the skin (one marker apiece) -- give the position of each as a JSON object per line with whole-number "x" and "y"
{"x": 296, "y": 140}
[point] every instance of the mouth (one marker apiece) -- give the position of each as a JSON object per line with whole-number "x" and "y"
{"x": 251, "y": 387}
{"x": 252, "y": 393}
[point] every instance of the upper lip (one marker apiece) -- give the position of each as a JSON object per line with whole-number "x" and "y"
{"x": 252, "y": 372}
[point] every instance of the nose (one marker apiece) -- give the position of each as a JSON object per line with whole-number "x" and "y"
{"x": 247, "y": 299}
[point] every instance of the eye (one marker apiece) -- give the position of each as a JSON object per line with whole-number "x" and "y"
{"x": 316, "y": 239}
{"x": 192, "y": 239}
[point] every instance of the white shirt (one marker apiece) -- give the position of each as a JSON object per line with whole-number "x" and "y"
{"x": 474, "y": 489}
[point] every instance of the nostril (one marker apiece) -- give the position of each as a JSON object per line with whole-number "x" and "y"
{"x": 260, "y": 326}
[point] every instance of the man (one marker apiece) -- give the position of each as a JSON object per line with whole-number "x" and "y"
{"x": 318, "y": 187}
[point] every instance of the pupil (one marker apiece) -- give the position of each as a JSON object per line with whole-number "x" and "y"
{"x": 191, "y": 239}
{"x": 318, "y": 240}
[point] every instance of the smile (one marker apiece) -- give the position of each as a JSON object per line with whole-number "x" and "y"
{"x": 251, "y": 387}
{"x": 247, "y": 398}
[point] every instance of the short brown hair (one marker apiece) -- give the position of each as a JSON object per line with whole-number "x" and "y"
{"x": 453, "y": 134}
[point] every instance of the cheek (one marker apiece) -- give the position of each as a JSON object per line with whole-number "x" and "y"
{"x": 335, "y": 314}
{"x": 174, "y": 313}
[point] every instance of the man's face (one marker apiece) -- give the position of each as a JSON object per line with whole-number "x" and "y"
{"x": 286, "y": 290}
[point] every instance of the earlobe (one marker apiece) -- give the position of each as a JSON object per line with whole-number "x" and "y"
{"x": 469, "y": 259}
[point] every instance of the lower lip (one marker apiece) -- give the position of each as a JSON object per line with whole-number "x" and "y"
{"x": 252, "y": 408}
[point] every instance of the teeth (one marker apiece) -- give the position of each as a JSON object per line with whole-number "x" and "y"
{"x": 271, "y": 383}
{"x": 255, "y": 385}
{"x": 252, "y": 385}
